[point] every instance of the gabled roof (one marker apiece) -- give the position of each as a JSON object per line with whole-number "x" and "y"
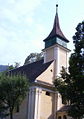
{"x": 56, "y": 31}
{"x": 33, "y": 70}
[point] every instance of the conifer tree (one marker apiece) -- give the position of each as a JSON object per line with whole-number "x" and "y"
{"x": 71, "y": 85}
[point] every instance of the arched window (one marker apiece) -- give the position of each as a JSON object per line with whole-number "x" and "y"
{"x": 64, "y": 117}
{"x": 59, "y": 117}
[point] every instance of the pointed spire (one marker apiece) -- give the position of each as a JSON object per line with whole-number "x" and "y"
{"x": 56, "y": 31}
{"x": 56, "y": 8}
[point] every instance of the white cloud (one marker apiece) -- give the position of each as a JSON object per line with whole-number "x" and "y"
{"x": 22, "y": 30}
{"x": 8, "y": 14}
{"x": 29, "y": 20}
{"x": 15, "y": 10}
{"x": 17, "y": 37}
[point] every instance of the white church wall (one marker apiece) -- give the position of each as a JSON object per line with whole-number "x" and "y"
{"x": 47, "y": 105}
{"x": 34, "y": 103}
{"x": 59, "y": 102}
{"x": 48, "y": 54}
{"x": 47, "y": 75}
{"x": 63, "y": 58}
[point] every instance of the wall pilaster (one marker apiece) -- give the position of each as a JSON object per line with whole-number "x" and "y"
{"x": 37, "y": 103}
{"x": 56, "y": 57}
{"x": 34, "y": 103}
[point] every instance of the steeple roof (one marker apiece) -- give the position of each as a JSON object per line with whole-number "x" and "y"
{"x": 56, "y": 31}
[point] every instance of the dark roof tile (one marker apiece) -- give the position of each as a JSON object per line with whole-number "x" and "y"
{"x": 33, "y": 70}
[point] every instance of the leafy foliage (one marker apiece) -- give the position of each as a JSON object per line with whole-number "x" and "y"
{"x": 71, "y": 85}
{"x": 16, "y": 65}
{"x": 3, "y": 110}
{"x": 12, "y": 90}
{"x": 33, "y": 57}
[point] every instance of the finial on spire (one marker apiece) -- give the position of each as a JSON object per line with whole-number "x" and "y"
{"x": 56, "y": 8}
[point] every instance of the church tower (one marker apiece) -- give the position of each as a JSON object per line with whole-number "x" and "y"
{"x": 42, "y": 101}
{"x": 56, "y": 46}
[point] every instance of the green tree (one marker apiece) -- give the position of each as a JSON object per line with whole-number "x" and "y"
{"x": 33, "y": 57}
{"x": 71, "y": 85}
{"x": 10, "y": 67}
{"x": 3, "y": 110}
{"x": 13, "y": 90}
{"x": 16, "y": 65}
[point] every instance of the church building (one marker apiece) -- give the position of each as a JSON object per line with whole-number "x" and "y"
{"x": 42, "y": 101}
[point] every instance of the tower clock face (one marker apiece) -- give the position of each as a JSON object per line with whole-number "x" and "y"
{"x": 55, "y": 40}
{"x": 61, "y": 42}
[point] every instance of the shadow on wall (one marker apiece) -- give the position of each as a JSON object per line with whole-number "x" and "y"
{"x": 52, "y": 116}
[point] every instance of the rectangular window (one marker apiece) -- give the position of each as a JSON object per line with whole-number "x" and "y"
{"x": 47, "y": 93}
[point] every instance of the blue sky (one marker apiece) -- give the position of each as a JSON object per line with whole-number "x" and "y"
{"x": 25, "y": 23}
